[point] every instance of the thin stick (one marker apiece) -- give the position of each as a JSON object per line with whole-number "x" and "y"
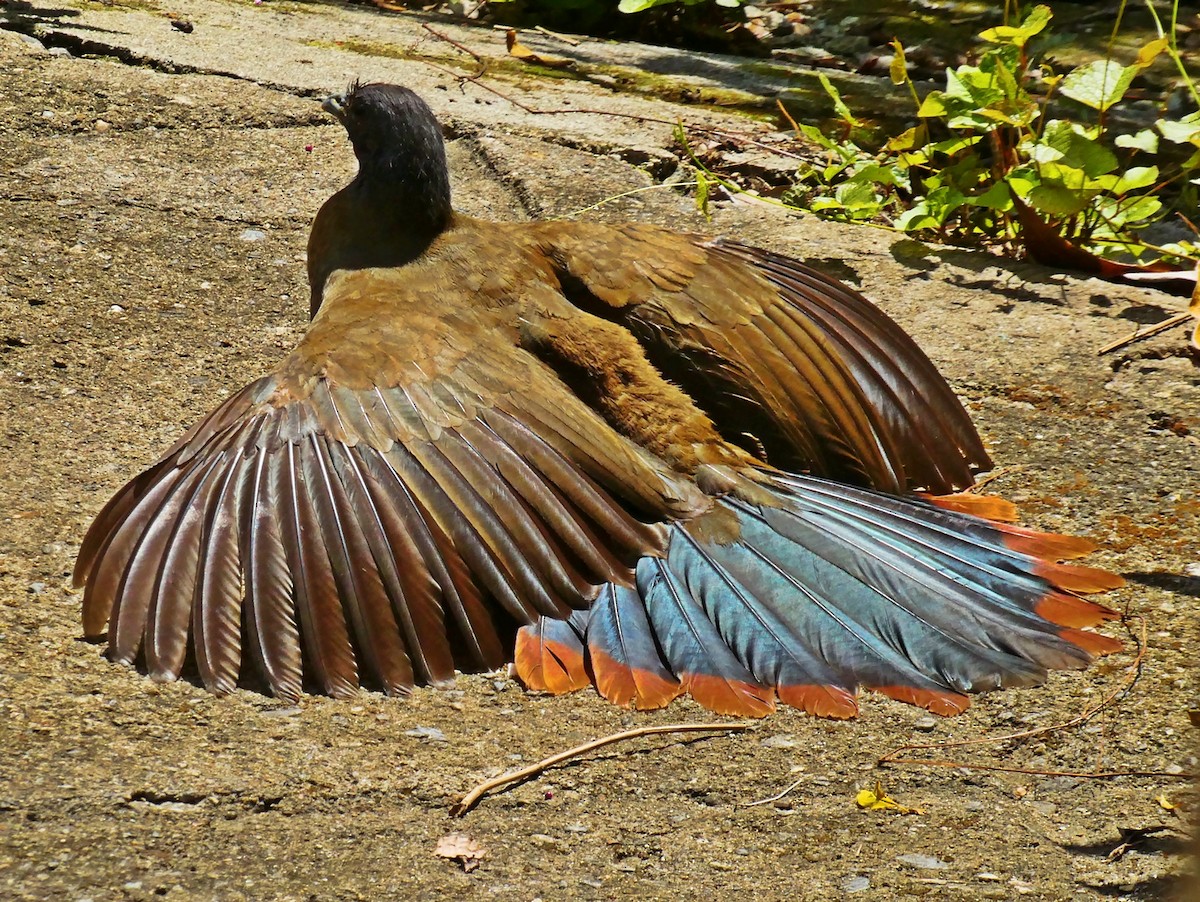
{"x": 601, "y": 203}
{"x": 1177, "y": 320}
{"x": 467, "y": 802}
{"x": 787, "y": 115}
{"x": 1122, "y": 690}
{"x": 779, "y": 795}
{"x": 995, "y": 474}
{"x": 554, "y": 34}
{"x": 467, "y": 50}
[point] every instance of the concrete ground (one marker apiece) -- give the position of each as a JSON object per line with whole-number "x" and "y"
{"x": 156, "y": 189}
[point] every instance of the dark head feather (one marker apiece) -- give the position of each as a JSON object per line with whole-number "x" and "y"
{"x": 399, "y": 146}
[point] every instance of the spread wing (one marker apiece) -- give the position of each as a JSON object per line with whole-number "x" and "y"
{"x": 794, "y": 366}
{"x": 390, "y": 503}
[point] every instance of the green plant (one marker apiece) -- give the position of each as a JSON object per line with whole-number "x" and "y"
{"x": 637, "y": 6}
{"x": 986, "y": 163}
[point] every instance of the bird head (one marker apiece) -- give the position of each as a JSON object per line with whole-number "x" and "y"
{"x": 398, "y": 143}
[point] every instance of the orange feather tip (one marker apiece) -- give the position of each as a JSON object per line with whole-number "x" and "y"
{"x": 1095, "y": 644}
{"x": 943, "y": 703}
{"x": 631, "y": 687}
{"x": 1048, "y": 546}
{"x": 1069, "y": 610}
{"x": 1075, "y": 578}
{"x": 988, "y": 507}
{"x": 547, "y": 666}
{"x": 732, "y": 697}
{"x": 820, "y": 701}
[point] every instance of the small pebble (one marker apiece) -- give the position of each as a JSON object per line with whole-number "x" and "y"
{"x": 101, "y": 126}
{"x": 253, "y": 235}
{"x": 925, "y": 724}
{"x": 856, "y": 884}
{"x": 37, "y": 588}
{"x": 780, "y": 741}
{"x": 916, "y": 860}
{"x": 433, "y": 734}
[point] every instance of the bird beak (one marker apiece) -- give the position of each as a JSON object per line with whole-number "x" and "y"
{"x": 335, "y": 105}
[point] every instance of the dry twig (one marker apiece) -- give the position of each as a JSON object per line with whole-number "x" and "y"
{"x": 554, "y": 34}
{"x": 1177, "y": 320}
{"x": 467, "y": 802}
{"x": 779, "y": 795}
{"x": 467, "y": 50}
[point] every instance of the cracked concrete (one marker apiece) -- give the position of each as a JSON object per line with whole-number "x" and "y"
{"x": 150, "y": 266}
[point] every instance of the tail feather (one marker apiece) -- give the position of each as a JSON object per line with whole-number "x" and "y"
{"x": 960, "y": 557}
{"x": 626, "y": 664}
{"x": 823, "y": 589}
{"x": 550, "y": 655}
{"x": 866, "y": 627}
{"x": 708, "y": 670}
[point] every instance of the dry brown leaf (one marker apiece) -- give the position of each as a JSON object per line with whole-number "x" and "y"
{"x": 461, "y": 848}
{"x": 525, "y": 55}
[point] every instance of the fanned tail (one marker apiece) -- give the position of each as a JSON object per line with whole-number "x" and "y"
{"x": 824, "y": 589}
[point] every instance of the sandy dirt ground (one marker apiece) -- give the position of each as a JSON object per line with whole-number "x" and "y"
{"x": 152, "y": 228}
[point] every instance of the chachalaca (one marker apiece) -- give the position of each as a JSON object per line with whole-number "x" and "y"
{"x": 653, "y": 462}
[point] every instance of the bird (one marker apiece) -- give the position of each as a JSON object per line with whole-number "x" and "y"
{"x": 655, "y": 463}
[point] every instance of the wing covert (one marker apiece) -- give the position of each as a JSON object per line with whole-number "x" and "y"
{"x": 787, "y": 362}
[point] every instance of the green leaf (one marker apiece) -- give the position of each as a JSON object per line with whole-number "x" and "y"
{"x": 1021, "y": 181}
{"x": 823, "y": 203}
{"x": 875, "y": 173}
{"x": 908, "y": 139}
{"x": 916, "y": 217}
{"x": 637, "y": 6}
{"x": 985, "y": 88}
{"x": 1059, "y": 201}
{"x": 1179, "y": 132}
{"x": 1039, "y": 17}
{"x": 857, "y": 196}
{"x": 1075, "y": 149}
{"x": 1144, "y": 140}
{"x": 933, "y": 105}
{"x": 997, "y": 197}
{"x": 839, "y": 105}
{"x": 951, "y": 146}
{"x": 1141, "y": 209}
{"x": 1098, "y": 84}
{"x": 815, "y": 134}
{"x": 1130, "y": 180}
{"x": 943, "y": 201}
{"x": 898, "y": 71}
